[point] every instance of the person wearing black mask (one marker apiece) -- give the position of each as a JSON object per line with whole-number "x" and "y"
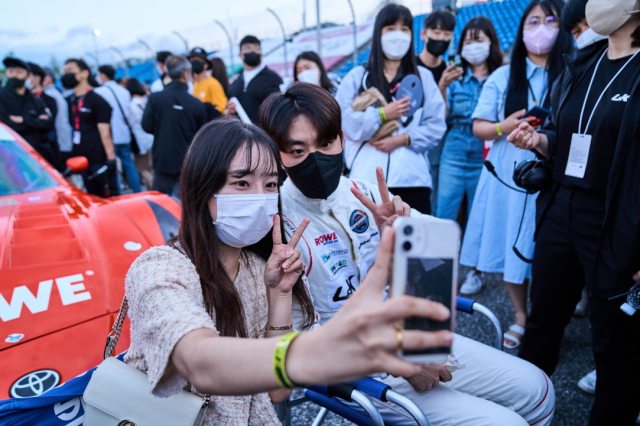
{"x": 255, "y": 83}
{"x": 205, "y": 87}
{"x": 90, "y": 118}
{"x": 25, "y": 113}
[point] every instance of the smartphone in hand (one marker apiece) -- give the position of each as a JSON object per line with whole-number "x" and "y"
{"x": 425, "y": 264}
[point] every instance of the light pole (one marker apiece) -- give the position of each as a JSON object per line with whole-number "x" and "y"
{"x": 96, "y": 33}
{"x": 355, "y": 38}
{"x": 184, "y": 40}
{"x": 318, "y": 29}
{"x": 304, "y": 15}
{"x": 152, "y": 53}
{"x": 233, "y": 65}
{"x": 284, "y": 39}
{"x": 124, "y": 60}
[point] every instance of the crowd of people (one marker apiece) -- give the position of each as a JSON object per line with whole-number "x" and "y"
{"x": 552, "y": 205}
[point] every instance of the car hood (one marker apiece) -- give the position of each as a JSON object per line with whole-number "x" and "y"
{"x": 64, "y": 257}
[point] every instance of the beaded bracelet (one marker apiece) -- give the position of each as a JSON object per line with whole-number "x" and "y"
{"x": 383, "y": 115}
{"x": 279, "y": 360}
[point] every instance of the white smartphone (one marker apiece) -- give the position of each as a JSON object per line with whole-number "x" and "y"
{"x": 425, "y": 264}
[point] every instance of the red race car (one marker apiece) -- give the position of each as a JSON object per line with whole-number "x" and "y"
{"x": 64, "y": 255}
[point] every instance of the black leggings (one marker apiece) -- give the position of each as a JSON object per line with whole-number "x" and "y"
{"x": 418, "y": 198}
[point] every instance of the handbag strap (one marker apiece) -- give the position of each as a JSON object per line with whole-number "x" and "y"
{"x": 120, "y": 107}
{"x": 114, "y": 336}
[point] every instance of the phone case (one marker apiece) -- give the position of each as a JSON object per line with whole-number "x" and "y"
{"x": 430, "y": 240}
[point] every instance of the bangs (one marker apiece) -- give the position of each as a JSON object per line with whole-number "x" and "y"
{"x": 259, "y": 157}
{"x": 549, "y": 8}
{"x": 398, "y": 14}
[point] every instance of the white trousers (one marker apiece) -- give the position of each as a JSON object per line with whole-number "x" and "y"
{"x": 494, "y": 389}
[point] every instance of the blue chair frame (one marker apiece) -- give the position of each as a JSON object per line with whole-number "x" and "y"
{"x": 328, "y": 396}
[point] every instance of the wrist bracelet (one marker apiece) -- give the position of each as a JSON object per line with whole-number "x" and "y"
{"x": 279, "y": 360}
{"x": 498, "y": 129}
{"x": 383, "y": 115}
{"x": 407, "y": 140}
{"x": 280, "y": 327}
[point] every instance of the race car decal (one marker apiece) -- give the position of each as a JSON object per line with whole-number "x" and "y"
{"x": 169, "y": 224}
{"x": 71, "y": 290}
{"x": 359, "y": 221}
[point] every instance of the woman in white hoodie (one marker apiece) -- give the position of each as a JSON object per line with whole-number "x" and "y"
{"x": 402, "y": 153}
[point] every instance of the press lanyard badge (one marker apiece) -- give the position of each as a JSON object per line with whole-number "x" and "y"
{"x": 581, "y": 142}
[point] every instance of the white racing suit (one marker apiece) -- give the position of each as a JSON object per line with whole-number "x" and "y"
{"x": 338, "y": 248}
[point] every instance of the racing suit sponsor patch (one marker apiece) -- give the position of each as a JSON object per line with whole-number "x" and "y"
{"x": 341, "y": 287}
{"x": 359, "y": 221}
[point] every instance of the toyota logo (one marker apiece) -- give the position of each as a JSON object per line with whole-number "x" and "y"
{"x": 34, "y": 384}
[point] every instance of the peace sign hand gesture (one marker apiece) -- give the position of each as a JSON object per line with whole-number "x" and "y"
{"x": 284, "y": 266}
{"x": 390, "y": 208}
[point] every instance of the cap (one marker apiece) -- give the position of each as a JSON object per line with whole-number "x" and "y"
{"x": 15, "y": 63}
{"x": 198, "y": 52}
{"x": 49, "y": 72}
{"x": 628, "y": 309}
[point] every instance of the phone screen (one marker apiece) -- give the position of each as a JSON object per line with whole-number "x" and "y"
{"x": 429, "y": 278}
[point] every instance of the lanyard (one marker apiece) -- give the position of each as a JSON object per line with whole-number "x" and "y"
{"x": 603, "y": 92}
{"x": 75, "y": 109}
{"x": 533, "y": 96}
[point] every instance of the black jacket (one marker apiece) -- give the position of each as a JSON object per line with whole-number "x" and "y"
{"x": 618, "y": 256}
{"x": 259, "y": 88}
{"x": 33, "y": 129}
{"x": 173, "y": 116}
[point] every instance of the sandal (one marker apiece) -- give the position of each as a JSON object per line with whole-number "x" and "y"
{"x": 511, "y": 338}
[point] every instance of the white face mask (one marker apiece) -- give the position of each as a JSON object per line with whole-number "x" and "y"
{"x": 28, "y": 84}
{"x": 310, "y": 76}
{"x": 395, "y": 44}
{"x": 244, "y": 220}
{"x": 587, "y": 38}
{"x": 476, "y": 53}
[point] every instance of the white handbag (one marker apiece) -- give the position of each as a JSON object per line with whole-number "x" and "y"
{"x": 118, "y": 395}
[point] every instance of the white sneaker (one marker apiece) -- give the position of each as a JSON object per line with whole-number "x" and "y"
{"x": 472, "y": 283}
{"x": 588, "y": 383}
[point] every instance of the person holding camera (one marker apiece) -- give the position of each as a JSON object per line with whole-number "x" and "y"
{"x": 588, "y": 227}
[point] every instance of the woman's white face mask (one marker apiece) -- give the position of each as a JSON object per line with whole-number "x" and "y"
{"x": 395, "y": 44}
{"x": 243, "y": 220}
{"x": 310, "y": 76}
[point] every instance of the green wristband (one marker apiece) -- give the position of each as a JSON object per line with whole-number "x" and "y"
{"x": 383, "y": 115}
{"x": 279, "y": 360}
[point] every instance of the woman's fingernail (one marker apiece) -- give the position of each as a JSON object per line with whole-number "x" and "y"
{"x": 448, "y": 338}
{"x": 285, "y": 265}
{"x": 444, "y": 311}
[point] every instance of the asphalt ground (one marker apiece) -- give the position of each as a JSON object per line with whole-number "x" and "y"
{"x": 576, "y": 360}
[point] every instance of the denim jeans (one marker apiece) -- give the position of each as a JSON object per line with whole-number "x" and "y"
{"x": 123, "y": 152}
{"x": 460, "y": 167}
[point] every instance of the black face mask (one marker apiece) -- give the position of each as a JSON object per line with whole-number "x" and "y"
{"x": 437, "y": 47}
{"x": 251, "y": 58}
{"x": 318, "y": 175}
{"x": 69, "y": 80}
{"x": 15, "y": 83}
{"x": 197, "y": 66}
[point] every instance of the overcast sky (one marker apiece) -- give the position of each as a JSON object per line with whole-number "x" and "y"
{"x": 39, "y": 30}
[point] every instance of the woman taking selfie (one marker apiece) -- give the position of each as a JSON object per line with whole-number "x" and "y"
{"x": 588, "y": 230}
{"x": 501, "y": 225}
{"x": 461, "y": 160}
{"x": 378, "y": 134}
{"x": 200, "y": 306}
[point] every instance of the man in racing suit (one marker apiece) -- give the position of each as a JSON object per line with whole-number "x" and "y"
{"x": 339, "y": 246}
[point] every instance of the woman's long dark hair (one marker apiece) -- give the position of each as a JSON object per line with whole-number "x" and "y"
{"x": 219, "y": 72}
{"x": 325, "y": 83}
{"x": 389, "y": 15}
{"x": 475, "y": 26}
{"x": 517, "y": 92}
{"x": 204, "y": 173}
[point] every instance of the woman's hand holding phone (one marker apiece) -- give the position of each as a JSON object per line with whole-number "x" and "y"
{"x": 362, "y": 337}
{"x": 284, "y": 266}
{"x": 389, "y": 209}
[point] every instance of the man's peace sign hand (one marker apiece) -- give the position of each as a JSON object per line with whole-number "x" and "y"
{"x": 284, "y": 266}
{"x": 389, "y": 209}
